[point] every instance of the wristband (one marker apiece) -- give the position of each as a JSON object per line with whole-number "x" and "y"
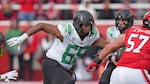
{"x": 2, "y": 77}
{"x": 23, "y": 37}
{"x": 97, "y": 61}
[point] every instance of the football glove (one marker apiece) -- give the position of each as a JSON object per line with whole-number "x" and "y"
{"x": 17, "y": 40}
{"x": 11, "y": 75}
{"x": 94, "y": 64}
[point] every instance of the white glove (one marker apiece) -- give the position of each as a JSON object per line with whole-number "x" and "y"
{"x": 17, "y": 40}
{"x": 11, "y": 75}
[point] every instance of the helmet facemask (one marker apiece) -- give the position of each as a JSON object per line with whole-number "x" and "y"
{"x": 82, "y": 32}
{"x": 126, "y": 24}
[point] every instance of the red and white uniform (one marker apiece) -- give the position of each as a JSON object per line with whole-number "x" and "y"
{"x": 135, "y": 61}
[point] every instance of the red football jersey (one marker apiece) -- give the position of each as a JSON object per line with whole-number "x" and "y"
{"x": 137, "y": 52}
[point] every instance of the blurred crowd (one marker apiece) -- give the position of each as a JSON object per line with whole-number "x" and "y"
{"x": 33, "y": 9}
{"x": 28, "y": 11}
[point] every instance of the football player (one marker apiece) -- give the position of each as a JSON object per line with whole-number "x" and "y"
{"x": 133, "y": 66}
{"x": 71, "y": 40}
{"x": 123, "y": 21}
{"x": 10, "y": 75}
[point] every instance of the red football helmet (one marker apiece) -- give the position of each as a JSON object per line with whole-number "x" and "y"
{"x": 146, "y": 20}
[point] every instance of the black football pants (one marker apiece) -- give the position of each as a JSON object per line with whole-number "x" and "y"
{"x": 105, "y": 78}
{"x": 54, "y": 73}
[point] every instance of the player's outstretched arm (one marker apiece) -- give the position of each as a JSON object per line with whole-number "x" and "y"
{"x": 112, "y": 46}
{"x": 48, "y": 28}
{"x": 119, "y": 42}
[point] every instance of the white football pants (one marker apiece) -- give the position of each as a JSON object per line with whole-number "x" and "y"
{"x": 125, "y": 75}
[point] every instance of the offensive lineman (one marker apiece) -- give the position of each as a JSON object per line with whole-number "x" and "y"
{"x": 133, "y": 66}
{"x": 123, "y": 21}
{"x": 71, "y": 40}
{"x": 11, "y": 75}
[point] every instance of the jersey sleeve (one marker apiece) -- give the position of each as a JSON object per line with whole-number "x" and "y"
{"x": 65, "y": 29}
{"x": 112, "y": 33}
{"x": 109, "y": 33}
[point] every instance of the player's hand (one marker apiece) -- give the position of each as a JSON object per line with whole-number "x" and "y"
{"x": 11, "y": 75}
{"x": 17, "y": 40}
{"x": 92, "y": 66}
{"x": 14, "y": 41}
